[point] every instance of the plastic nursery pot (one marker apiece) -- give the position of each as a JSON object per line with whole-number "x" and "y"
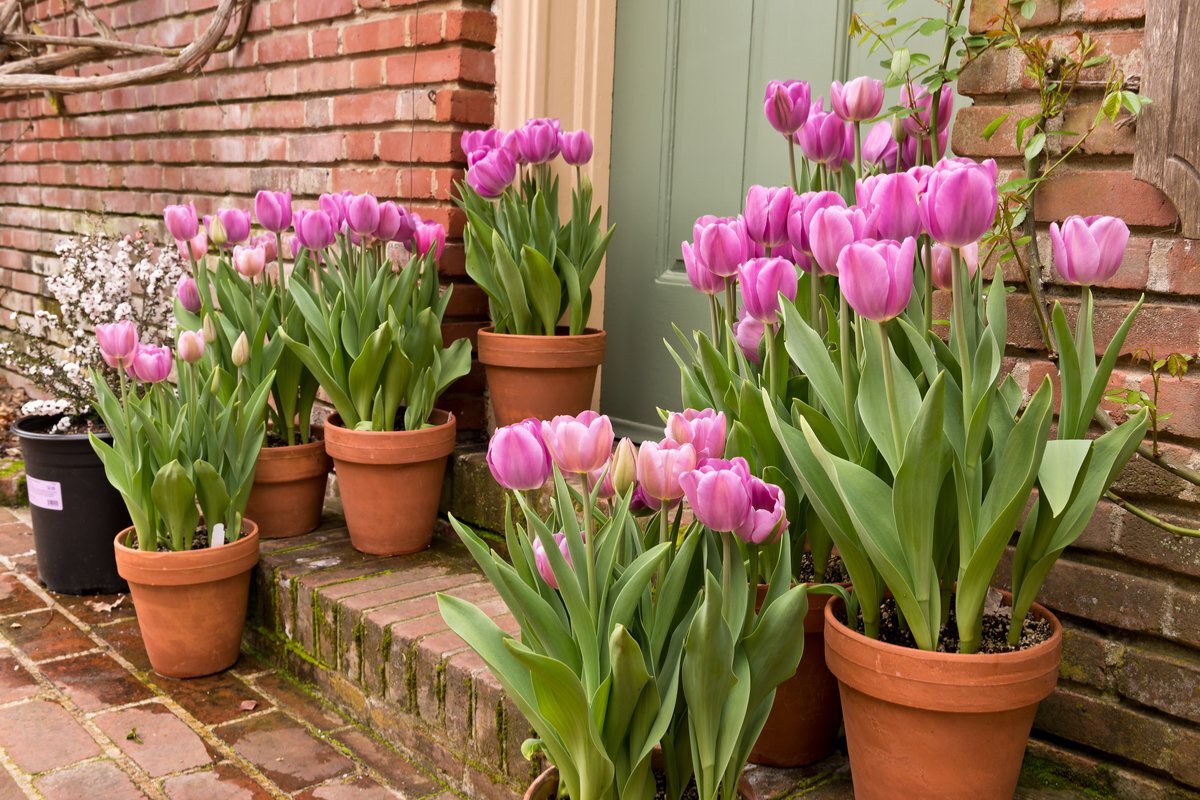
{"x": 74, "y": 509}
{"x": 289, "y": 488}
{"x": 939, "y": 726}
{"x": 545, "y": 786}
{"x": 803, "y": 725}
{"x": 391, "y": 482}
{"x": 540, "y": 376}
{"x": 191, "y": 606}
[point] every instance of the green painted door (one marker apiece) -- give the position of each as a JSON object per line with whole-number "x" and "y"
{"x": 689, "y": 138}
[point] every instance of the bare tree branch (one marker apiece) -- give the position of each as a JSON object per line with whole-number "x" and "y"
{"x": 36, "y": 40}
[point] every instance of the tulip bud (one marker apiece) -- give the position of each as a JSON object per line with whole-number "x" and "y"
{"x": 216, "y": 231}
{"x": 210, "y": 329}
{"x": 191, "y": 346}
{"x": 517, "y": 456}
{"x": 188, "y": 294}
{"x": 241, "y": 351}
{"x": 542, "y": 561}
{"x": 877, "y": 277}
{"x": 719, "y": 494}
{"x": 899, "y": 132}
{"x": 151, "y": 363}
{"x": 858, "y": 99}
{"x": 703, "y": 430}
{"x": 249, "y": 261}
{"x": 660, "y": 466}
{"x": 181, "y": 221}
{"x": 959, "y": 202}
{"x": 1088, "y": 250}
{"x": 623, "y": 471}
{"x": 118, "y": 343}
{"x": 763, "y": 279}
{"x": 579, "y": 444}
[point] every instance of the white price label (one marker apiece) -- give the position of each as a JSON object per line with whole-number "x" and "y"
{"x": 44, "y": 494}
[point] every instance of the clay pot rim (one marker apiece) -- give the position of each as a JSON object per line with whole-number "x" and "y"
{"x": 526, "y": 351}
{"x": 391, "y": 447}
{"x": 18, "y": 429}
{"x": 545, "y": 786}
{"x": 182, "y": 568}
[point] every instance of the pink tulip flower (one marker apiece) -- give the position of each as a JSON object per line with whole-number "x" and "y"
{"x": 832, "y": 229}
{"x": 118, "y": 343}
{"x": 823, "y": 137}
{"x": 195, "y": 248}
{"x": 480, "y": 140}
{"x": 766, "y": 214}
{"x": 249, "y": 261}
{"x": 786, "y": 104}
{"x": 273, "y": 210}
{"x": 943, "y": 265}
{"x": 960, "y": 200}
{"x": 748, "y": 333}
{"x": 576, "y": 147}
{"x": 182, "y": 222}
{"x": 879, "y": 147}
{"x": 389, "y": 221}
{"x": 767, "y": 519}
{"x": 803, "y": 209}
{"x": 877, "y": 277}
{"x": 859, "y": 99}
{"x": 237, "y": 224}
{"x": 721, "y": 244}
{"x": 151, "y": 363}
{"x": 188, "y": 294}
{"x": 659, "y": 466}
{"x": 314, "y": 229}
{"x": 492, "y": 173}
{"x": 537, "y": 141}
{"x": 763, "y": 280}
{"x": 704, "y": 430}
{"x": 362, "y": 214}
{"x": 517, "y": 456}
{"x": 578, "y": 444}
{"x": 429, "y": 237}
{"x": 334, "y": 205}
{"x": 542, "y": 561}
{"x": 719, "y": 494}
{"x": 700, "y": 276}
{"x": 190, "y": 346}
{"x": 894, "y": 199}
{"x": 1088, "y": 250}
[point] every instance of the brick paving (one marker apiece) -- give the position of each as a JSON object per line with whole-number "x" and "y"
{"x": 82, "y": 715}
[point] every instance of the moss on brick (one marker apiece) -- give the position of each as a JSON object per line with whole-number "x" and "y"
{"x": 1047, "y": 774}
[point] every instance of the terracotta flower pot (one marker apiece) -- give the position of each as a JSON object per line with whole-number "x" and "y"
{"x": 939, "y": 726}
{"x": 540, "y": 376}
{"x": 391, "y": 482}
{"x": 289, "y": 489}
{"x": 803, "y": 724}
{"x": 545, "y": 786}
{"x": 191, "y": 606}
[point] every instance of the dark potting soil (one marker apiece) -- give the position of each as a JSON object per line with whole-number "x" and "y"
{"x": 995, "y": 630}
{"x": 199, "y": 541}
{"x": 835, "y": 570}
{"x": 660, "y": 789}
{"x": 275, "y": 440}
{"x": 79, "y": 425}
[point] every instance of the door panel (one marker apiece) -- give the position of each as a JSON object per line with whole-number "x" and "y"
{"x": 689, "y": 138}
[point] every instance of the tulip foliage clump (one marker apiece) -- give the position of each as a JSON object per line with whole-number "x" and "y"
{"x": 899, "y": 442}
{"x": 635, "y": 637}
{"x": 534, "y": 269}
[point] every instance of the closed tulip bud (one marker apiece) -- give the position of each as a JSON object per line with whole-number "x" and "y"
{"x": 943, "y": 265}
{"x": 537, "y": 141}
{"x": 334, "y": 205}
{"x": 389, "y": 221}
{"x": 786, "y": 104}
{"x": 236, "y": 222}
{"x": 576, "y": 147}
{"x": 879, "y": 147}
{"x": 479, "y": 140}
{"x": 623, "y": 466}
{"x": 748, "y": 333}
{"x": 188, "y": 294}
{"x": 719, "y": 494}
{"x": 804, "y": 208}
{"x": 823, "y": 137}
{"x": 118, "y": 343}
{"x": 766, "y": 214}
{"x": 660, "y": 465}
{"x": 151, "y": 363}
{"x": 767, "y": 518}
{"x": 877, "y": 277}
{"x": 517, "y": 457}
{"x": 1088, "y": 250}
{"x": 721, "y": 244}
{"x": 542, "y": 561}
{"x": 315, "y": 230}
{"x": 492, "y": 173}
{"x": 273, "y": 210}
{"x": 578, "y": 444}
{"x": 704, "y": 430}
{"x": 195, "y": 248}
{"x": 362, "y": 214}
{"x": 893, "y": 198}
{"x": 832, "y": 229}
{"x": 249, "y": 261}
{"x": 858, "y": 99}
{"x": 700, "y": 276}
{"x": 241, "y": 351}
{"x": 216, "y": 231}
{"x": 763, "y": 280}
{"x": 190, "y": 346}
{"x": 270, "y": 246}
{"x": 181, "y": 221}
{"x": 960, "y": 200}
{"x": 429, "y": 237}
{"x": 210, "y": 329}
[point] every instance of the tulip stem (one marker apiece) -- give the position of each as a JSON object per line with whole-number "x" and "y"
{"x": 726, "y": 572}
{"x": 714, "y": 319}
{"x": 792, "y": 163}
{"x": 858, "y": 164}
{"x": 847, "y": 386}
{"x": 730, "y": 319}
{"x": 589, "y": 545}
{"x": 889, "y": 386}
{"x": 815, "y": 301}
{"x": 927, "y": 300}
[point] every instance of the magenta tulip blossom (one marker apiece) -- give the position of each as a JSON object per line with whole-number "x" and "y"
{"x": 334, "y": 206}
{"x": 943, "y": 277}
{"x": 766, "y": 214}
{"x": 858, "y": 99}
{"x": 537, "y": 141}
{"x": 704, "y": 430}
{"x": 481, "y": 140}
{"x": 719, "y": 494}
{"x": 877, "y": 277}
{"x": 700, "y": 276}
{"x": 237, "y": 224}
{"x": 429, "y": 237}
{"x": 879, "y": 147}
{"x": 362, "y": 214}
{"x": 389, "y": 221}
{"x": 832, "y": 229}
{"x": 908, "y": 150}
{"x": 195, "y": 248}
{"x": 517, "y": 456}
{"x": 823, "y": 137}
{"x": 960, "y": 200}
{"x": 579, "y": 444}
{"x": 314, "y": 229}
{"x": 542, "y": 561}
{"x": 763, "y": 280}
{"x": 918, "y": 123}
{"x": 786, "y": 104}
{"x": 576, "y": 147}
{"x": 803, "y": 209}
{"x": 151, "y": 363}
{"x": 118, "y": 342}
{"x": 721, "y": 244}
{"x": 748, "y": 333}
{"x": 767, "y": 519}
{"x": 182, "y": 222}
{"x": 893, "y": 197}
{"x": 188, "y": 294}
{"x": 1088, "y": 250}
{"x": 273, "y": 210}
{"x": 190, "y": 346}
{"x": 492, "y": 173}
{"x": 660, "y": 465}
{"x": 249, "y": 261}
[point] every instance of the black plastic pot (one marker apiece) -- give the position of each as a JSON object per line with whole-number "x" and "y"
{"x": 76, "y": 511}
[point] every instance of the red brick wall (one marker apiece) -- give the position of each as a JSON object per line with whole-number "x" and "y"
{"x": 321, "y": 96}
{"x": 1129, "y": 594}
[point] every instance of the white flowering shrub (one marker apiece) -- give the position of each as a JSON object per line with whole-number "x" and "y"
{"x": 101, "y": 279}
